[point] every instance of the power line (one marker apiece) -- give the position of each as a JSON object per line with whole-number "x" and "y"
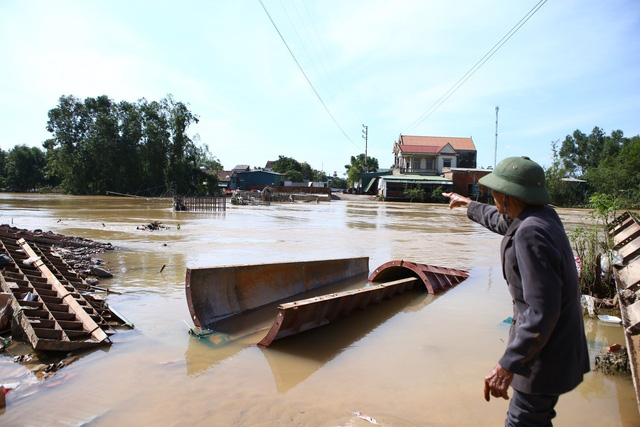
{"x": 305, "y": 75}
{"x": 476, "y": 67}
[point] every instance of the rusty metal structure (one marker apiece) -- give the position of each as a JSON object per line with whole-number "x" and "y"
{"x": 200, "y": 204}
{"x": 51, "y": 302}
{"x": 219, "y": 293}
{"x": 435, "y": 279}
{"x": 625, "y": 231}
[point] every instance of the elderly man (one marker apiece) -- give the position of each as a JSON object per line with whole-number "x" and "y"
{"x": 547, "y": 351}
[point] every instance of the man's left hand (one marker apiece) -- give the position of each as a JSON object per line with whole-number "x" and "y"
{"x": 497, "y": 383}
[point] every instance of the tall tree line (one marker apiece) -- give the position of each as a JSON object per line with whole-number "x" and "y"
{"x": 99, "y": 145}
{"x": 610, "y": 164}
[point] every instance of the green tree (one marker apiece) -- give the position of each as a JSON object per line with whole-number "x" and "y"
{"x": 294, "y": 176}
{"x": 3, "y": 168}
{"x": 609, "y": 164}
{"x": 25, "y": 167}
{"x": 284, "y": 164}
{"x": 99, "y": 145}
{"x": 413, "y": 193}
{"x": 336, "y": 182}
{"x": 357, "y": 166}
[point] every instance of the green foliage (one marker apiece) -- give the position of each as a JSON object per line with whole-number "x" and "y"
{"x": 436, "y": 195}
{"x": 357, "y": 166}
{"x": 593, "y": 243}
{"x": 562, "y": 193}
{"x": 413, "y": 193}
{"x": 294, "y": 176}
{"x": 338, "y": 182}
{"x": 24, "y": 168}
{"x": 99, "y": 145}
{"x": 296, "y": 171}
{"x": 609, "y": 164}
{"x": 3, "y": 168}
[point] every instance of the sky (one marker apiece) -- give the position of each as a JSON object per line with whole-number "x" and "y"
{"x": 384, "y": 64}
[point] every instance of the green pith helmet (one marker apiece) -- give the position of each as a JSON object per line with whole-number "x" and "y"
{"x": 518, "y": 177}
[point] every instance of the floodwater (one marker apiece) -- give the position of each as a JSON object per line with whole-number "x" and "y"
{"x": 414, "y": 360}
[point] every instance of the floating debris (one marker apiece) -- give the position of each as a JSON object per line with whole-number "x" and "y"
{"x": 612, "y": 360}
{"x": 366, "y": 418}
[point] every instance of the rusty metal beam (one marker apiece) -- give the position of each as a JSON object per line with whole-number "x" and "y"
{"x": 299, "y": 316}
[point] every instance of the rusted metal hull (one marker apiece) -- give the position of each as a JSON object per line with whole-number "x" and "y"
{"x": 216, "y": 293}
{"x": 626, "y": 237}
{"x": 435, "y": 279}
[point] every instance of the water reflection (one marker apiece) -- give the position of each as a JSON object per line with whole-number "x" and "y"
{"x": 315, "y": 348}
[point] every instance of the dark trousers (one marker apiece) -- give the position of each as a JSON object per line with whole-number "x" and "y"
{"x": 531, "y": 410}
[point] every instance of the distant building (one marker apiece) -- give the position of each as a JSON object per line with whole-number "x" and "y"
{"x": 428, "y": 155}
{"x": 226, "y": 179}
{"x": 258, "y": 179}
{"x": 269, "y": 165}
{"x": 241, "y": 168}
{"x": 421, "y": 162}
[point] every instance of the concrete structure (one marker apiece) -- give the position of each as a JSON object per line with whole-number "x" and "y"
{"x": 428, "y": 155}
{"x": 465, "y": 181}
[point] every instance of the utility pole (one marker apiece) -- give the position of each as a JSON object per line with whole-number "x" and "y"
{"x": 365, "y": 135}
{"x": 495, "y": 152}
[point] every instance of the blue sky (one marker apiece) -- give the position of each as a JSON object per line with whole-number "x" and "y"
{"x": 573, "y": 65}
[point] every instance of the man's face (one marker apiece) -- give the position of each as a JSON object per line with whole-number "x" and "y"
{"x": 499, "y": 198}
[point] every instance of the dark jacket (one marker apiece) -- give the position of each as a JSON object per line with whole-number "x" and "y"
{"x": 547, "y": 348}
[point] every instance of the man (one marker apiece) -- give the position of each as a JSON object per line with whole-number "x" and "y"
{"x": 547, "y": 351}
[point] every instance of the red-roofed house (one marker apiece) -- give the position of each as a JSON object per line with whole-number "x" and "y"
{"x": 428, "y": 155}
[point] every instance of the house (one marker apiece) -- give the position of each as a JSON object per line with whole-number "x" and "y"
{"x": 241, "y": 168}
{"x": 269, "y": 166}
{"x": 420, "y": 162}
{"x": 428, "y": 155}
{"x": 227, "y": 180}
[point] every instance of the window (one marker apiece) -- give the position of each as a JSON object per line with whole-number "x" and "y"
{"x": 416, "y": 164}
{"x": 446, "y": 163}
{"x": 429, "y": 164}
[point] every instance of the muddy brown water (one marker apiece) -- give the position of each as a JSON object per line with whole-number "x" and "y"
{"x": 414, "y": 360}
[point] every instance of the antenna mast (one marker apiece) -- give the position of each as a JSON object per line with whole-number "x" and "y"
{"x": 495, "y": 152}
{"x": 365, "y": 135}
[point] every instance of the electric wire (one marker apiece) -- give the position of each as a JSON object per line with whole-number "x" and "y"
{"x": 475, "y": 68}
{"x": 336, "y": 84}
{"x": 305, "y": 75}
